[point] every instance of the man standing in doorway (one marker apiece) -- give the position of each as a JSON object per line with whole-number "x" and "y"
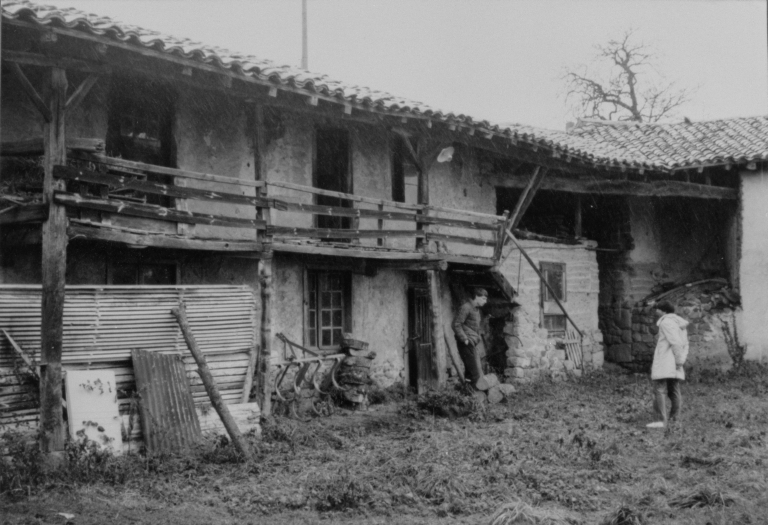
{"x": 467, "y": 326}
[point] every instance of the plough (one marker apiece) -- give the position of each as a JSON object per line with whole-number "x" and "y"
{"x": 306, "y": 377}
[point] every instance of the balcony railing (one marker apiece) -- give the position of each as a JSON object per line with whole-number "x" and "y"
{"x": 101, "y": 190}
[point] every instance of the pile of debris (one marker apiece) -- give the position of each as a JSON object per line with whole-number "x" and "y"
{"x": 354, "y": 375}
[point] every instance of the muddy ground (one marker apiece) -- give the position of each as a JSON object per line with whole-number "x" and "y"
{"x": 567, "y": 452}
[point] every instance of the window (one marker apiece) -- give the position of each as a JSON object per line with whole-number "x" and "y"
{"x": 405, "y": 176}
{"x": 332, "y": 173}
{"x": 328, "y": 309}
{"x": 553, "y": 318}
{"x": 140, "y": 128}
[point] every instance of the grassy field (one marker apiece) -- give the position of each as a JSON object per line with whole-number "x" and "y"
{"x": 572, "y": 452}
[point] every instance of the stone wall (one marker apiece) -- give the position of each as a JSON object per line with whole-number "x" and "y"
{"x": 530, "y": 351}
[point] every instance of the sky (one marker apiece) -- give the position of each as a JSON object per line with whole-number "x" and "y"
{"x": 498, "y": 60}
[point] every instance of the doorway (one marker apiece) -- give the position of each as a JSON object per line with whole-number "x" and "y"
{"x": 421, "y": 369}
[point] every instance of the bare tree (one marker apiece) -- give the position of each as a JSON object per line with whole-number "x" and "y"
{"x": 622, "y": 84}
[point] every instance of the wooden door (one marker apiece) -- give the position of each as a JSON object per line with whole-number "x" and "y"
{"x": 422, "y": 372}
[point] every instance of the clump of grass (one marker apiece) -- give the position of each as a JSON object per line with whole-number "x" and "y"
{"x": 344, "y": 491}
{"x": 702, "y": 497}
{"x": 451, "y": 401}
{"x": 394, "y": 393}
{"x": 520, "y": 513}
{"x": 624, "y": 516}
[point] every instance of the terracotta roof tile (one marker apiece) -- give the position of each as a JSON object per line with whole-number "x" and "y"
{"x": 653, "y": 146}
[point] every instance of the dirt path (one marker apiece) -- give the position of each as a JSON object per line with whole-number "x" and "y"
{"x": 579, "y": 451}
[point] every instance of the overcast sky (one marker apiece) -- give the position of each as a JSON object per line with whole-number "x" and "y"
{"x": 499, "y": 60}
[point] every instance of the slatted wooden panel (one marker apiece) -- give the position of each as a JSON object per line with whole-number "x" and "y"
{"x": 573, "y": 348}
{"x": 102, "y": 324}
{"x": 168, "y": 419}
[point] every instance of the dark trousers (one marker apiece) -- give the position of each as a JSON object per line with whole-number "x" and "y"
{"x": 663, "y": 388}
{"x": 468, "y": 354}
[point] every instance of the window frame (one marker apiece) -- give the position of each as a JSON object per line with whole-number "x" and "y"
{"x": 313, "y": 304}
{"x": 548, "y": 303}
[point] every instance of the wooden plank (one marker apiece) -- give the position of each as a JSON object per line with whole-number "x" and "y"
{"x": 525, "y": 200}
{"x": 54, "y": 262}
{"x": 461, "y": 239}
{"x": 128, "y": 182}
{"x": 28, "y": 213}
{"x": 35, "y": 146}
{"x": 249, "y": 371}
{"x": 151, "y": 211}
{"x": 162, "y": 170}
{"x": 355, "y": 252}
{"x": 31, "y": 92}
{"x": 345, "y": 196}
{"x": 161, "y": 241}
{"x": 598, "y": 186}
{"x": 327, "y": 233}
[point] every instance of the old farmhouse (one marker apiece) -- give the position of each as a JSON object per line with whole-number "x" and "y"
{"x": 141, "y": 170}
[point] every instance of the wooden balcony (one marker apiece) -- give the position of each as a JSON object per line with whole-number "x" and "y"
{"x": 116, "y": 200}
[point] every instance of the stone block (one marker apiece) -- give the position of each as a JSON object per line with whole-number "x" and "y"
{"x": 522, "y": 362}
{"x": 637, "y": 337}
{"x": 620, "y": 353}
{"x": 569, "y": 365}
{"x": 557, "y": 364}
{"x": 654, "y": 329}
{"x": 598, "y": 358}
{"x": 518, "y": 372}
{"x": 635, "y": 327}
{"x": 625, "y": 320}
{"x": 487, "y": 382}
{"x": 516, "y": 352}
{"x": 544, "y": 362}
{"x": 560, "y": 354}
{"x": 577, "y": 373}
{"x": 648, "y": 338}
{"x": 640, "y": 349}
{"x": 480, "y": 397}
{"x": 626, "y": 336}
{"x": 495, "y": 395}
{"x": 695, "y": 339}
{"x": 509, "y": 372}
{"x": 512, "y": 342}
{"x": 506, "y": 389}
{"x": 597, "y": 337}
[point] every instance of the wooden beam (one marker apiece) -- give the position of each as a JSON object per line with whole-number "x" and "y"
{"x": 597, "y": 186}
{"x": 111, "y": 234}
{"x": 439, "y": 358}
{"x": 37, "y": 59}
{"x": 210, "y": 384}
{"x": 162, "y": 170}
{"x": 81, "y": 92}
{"x": 526, "y": 197}
{"x": 151, "y": 211}
{"x": 26, "y": 213}
{"x": 31, "y": 92}
{"x": 35, "y": 146}
{"x": 54, "y": 264}
{"x": 265, "y": 359}
{"x": 129, "y": 182}
{"x": 328, "y": 233}
{"x": 413, "y": 266}
{"x": 356, "y": 252}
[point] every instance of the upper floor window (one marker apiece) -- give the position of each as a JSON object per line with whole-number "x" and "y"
{"x": 140, "y": 128}
{"x": 332, "y": 172}
{"x": 405, "y": 176}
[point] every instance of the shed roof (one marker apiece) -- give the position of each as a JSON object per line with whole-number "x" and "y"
{"x": 620, "y": 144}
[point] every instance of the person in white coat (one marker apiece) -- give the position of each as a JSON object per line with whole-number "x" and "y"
{"x": 667, "y": 370}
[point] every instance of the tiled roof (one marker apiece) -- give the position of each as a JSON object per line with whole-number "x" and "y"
{"x": 630, "y": 145}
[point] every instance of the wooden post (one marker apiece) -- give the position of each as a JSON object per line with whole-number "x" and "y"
{"x": 577, "y": 228}
{"x": 210, "y": 384}
{"x": 54, "y": 265}
{"x": 265, "y": 361}
{"x": 439, "y": 360}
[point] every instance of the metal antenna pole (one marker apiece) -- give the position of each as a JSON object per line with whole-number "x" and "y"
{"x": 304, "y": 53}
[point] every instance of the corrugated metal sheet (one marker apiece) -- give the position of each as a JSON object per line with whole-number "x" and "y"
{"x": 102, "y": 324}
{"x": 168, "y": 418}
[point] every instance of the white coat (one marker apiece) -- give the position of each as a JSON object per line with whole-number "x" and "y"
{"x": 671, "y": 348}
